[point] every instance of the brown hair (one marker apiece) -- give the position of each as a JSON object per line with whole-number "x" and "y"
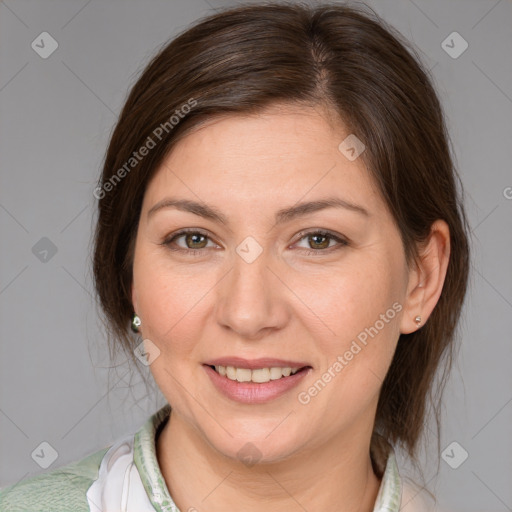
{"x": 347, "y": 59}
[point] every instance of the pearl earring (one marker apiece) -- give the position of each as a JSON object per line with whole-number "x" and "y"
{"x": 135, "y": 323}
{"x": 418, "y": 320}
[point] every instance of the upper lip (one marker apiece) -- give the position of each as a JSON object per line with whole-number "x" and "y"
{"x": 262, "y": 362}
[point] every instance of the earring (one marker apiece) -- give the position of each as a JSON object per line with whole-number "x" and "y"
{"x": 135, "y": 323}
{"x": 418, "y": 320}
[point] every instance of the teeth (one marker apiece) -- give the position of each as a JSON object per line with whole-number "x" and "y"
{"x": 275, "y": 373}
{"x": 259, "y": 375}
{"x": 231, "y": 373}
{"x": 243, "y": 375}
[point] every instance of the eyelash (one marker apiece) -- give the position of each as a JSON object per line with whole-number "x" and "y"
{"x": 303, "y": 234}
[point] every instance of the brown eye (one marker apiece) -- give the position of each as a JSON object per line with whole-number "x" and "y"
{"x": 194, "y": 241}
{"x": 319, "y": 242}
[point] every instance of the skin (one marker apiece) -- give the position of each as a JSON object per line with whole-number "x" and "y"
{"x": 285, "y": 304}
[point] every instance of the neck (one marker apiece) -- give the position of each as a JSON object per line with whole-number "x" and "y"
{"x": 335, "y": 476}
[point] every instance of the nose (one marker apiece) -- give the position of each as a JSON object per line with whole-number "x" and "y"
{"x": 251, "y": 299}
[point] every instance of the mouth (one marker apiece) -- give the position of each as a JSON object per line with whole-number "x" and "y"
{"x": 255, "y": 381}
{"x": 257, "y": 375}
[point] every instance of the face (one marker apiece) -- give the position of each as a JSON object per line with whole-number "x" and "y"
{"x": 262, "y": 282}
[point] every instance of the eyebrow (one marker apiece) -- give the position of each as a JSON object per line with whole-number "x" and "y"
{"x": 282, "y": 216}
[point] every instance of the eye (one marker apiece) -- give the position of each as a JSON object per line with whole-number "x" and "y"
{"x": 321, "y": 241}
{"x": 194, "y": 239}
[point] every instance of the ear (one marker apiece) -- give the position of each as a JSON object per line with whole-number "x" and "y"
{"x": 426, "y": 279}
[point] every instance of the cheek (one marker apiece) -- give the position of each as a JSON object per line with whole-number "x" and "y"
{"x": 363, "y": 315}
{"x": 351, "y": 302}
{"x": 170, "y": 306}
{"x": 169, "y": 302}
{"x": 354, "y": 360}
{"x": 360, "y": 312}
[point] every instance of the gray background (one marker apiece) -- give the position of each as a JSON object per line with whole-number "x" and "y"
{"x": 55, "y": 118}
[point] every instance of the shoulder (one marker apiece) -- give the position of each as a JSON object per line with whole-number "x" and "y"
{"x": 63, "y": 489}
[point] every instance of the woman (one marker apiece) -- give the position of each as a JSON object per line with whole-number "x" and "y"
{"x": 279, "y": 222}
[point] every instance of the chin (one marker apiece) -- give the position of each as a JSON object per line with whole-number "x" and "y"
{"x": 256, "y": 446}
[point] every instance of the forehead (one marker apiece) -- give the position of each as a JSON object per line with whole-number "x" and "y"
{"x": 279, "y": 156}
{"x": 284, "y": 133}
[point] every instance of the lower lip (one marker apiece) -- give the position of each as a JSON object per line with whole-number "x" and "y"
{"x": 253, "y": 392}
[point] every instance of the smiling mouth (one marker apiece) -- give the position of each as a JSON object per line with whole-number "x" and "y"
{"x": 257, "y": 375}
